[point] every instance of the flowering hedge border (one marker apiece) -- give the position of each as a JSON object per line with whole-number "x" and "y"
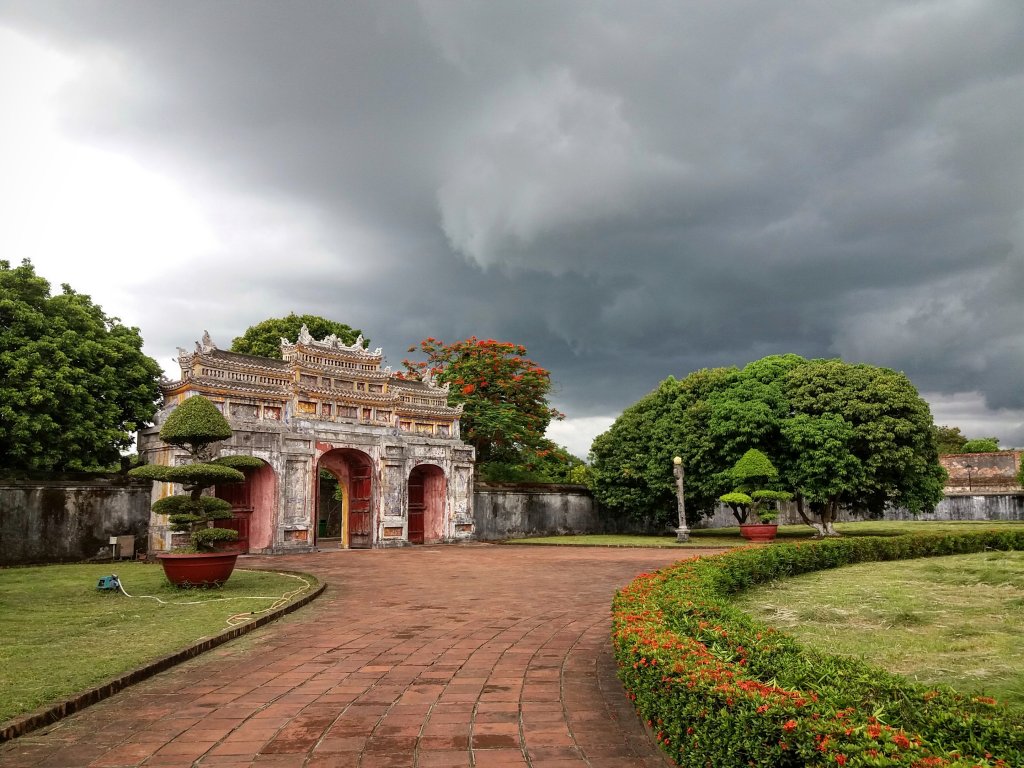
{"x": 720, "y": 689}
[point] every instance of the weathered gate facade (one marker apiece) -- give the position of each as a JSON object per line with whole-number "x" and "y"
{"x": 388, "y": 447}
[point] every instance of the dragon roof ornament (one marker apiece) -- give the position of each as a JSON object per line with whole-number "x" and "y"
{"x": 331, "y": 342}
{"x": 206, "y": 345}
{"x": 430, "y": 379}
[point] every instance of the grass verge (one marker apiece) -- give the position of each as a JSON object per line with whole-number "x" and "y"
{"x": 60, "y": 635}
{"x": 956, "y": 620}
{"x": 730, "y": 537}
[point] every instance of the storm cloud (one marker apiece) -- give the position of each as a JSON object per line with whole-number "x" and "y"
{"x": 630, "y": 190}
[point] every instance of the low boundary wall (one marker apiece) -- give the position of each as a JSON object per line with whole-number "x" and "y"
{"x": 990, "y": 506}
{"x": 65, "y": 518}
{"x": 517, "y": 510}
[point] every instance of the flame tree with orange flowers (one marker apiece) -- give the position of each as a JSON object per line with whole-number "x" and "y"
{"x": 503, "y": 393}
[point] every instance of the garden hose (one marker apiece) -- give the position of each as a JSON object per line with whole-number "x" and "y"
{"x": 238, "y": 618}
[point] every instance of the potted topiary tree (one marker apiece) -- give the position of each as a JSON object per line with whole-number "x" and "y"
{"x": 195, "y": 426}
{"x": 752, "y": 505}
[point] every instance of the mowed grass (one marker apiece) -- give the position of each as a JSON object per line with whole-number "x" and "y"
{"x": 956, "y": 620}
{"x": 730, "y": 537}
{"x": 60, "y": 635}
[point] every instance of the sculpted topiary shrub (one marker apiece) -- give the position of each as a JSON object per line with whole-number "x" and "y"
{"x": 750, "y": 500}
{"x": 195, "y": 426}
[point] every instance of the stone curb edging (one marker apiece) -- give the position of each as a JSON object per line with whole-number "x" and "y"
{"x": 19, "y": 726}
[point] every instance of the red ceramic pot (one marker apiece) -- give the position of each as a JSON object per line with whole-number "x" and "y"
{"x": 759, "y": 532}
{"x": 203, "y": 569}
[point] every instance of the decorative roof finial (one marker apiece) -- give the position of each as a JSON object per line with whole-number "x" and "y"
{"x": 206, "y": 345}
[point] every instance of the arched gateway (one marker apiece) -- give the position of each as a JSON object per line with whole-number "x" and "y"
{"x": 388, "y": 447}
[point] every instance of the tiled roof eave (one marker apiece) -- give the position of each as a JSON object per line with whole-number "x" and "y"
{"x": 277, "y": 367}
{"x": 423, "y": 411}
{"x": 229, "y": 387}
{"x": 356, "y": 398}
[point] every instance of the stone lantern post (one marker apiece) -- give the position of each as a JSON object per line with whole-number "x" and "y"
{"x": 682, "y": 532}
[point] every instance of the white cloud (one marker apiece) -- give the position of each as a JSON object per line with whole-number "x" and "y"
{"x": 578, "y": 434}
{"x": 94, "y": 219}
{"x": 149, "y": 248}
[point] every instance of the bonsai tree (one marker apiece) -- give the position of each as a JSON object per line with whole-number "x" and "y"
{"x": 750, "y": 499}
{"x": 195, "y": 426}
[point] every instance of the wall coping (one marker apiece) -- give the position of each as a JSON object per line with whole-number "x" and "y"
{"x": 481, "y": 487}
{"x": 69, "y": 479}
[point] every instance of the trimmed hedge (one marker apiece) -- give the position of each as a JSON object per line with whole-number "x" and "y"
{"x": 721, "y": 689}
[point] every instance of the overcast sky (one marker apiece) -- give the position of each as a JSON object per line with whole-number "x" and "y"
{"x": 630, "y": 189}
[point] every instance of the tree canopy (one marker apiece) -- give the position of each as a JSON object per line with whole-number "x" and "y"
{"x": 264, "y": 338}
{"x": 839, "y": 435}
{"x": 74, "y": 383}
{"x": 981, "y": 445}
{"x": 503, "y": 394}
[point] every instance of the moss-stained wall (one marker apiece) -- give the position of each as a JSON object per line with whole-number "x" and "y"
{"x": 515, "y": 510}
{"x": 65, "y": 518}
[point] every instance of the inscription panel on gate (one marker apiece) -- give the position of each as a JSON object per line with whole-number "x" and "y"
{"x": 296, "y": 487}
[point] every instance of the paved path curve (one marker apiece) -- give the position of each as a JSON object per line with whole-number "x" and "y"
{"x": 426, "y": 657}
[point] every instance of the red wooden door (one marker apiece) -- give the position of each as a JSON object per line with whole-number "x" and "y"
{"x": 240, "y": 497}
{"x": 359, "y": 516}
{"x": 417, "y": 506}
{"x": 240, "y": 523}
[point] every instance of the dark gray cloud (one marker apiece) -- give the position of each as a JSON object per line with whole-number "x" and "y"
{"x": 632, "y": 190}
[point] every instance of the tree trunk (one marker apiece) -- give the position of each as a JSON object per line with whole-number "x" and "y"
{"x": 828, "y": 517}
{"x": 739, "y": 513}
{"x": 820, "y": 530}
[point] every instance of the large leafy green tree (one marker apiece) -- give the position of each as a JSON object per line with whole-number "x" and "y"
{"x": 631, "y": 463}
{"x": 74, "y": 383}
{"x": 503, "y": 393}
{"x": 858, "y": 436}
{"x": 839, "y": 434}
{"x": 264, "y": 338}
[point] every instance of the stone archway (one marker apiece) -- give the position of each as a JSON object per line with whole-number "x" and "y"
{"x": 252, "y": 508}
{"x": 427, "y": 500}
{"x": 354, "y": 472}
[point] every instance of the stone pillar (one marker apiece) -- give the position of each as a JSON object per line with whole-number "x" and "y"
{"x": 682, "y": 532}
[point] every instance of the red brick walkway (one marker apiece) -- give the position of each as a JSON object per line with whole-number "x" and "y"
{"x": 433, "y": 657}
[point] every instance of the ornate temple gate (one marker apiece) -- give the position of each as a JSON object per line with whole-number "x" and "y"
{"x": 331, "y": 406}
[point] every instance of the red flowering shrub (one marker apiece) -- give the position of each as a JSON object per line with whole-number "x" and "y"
{"x": 727, "y": 691}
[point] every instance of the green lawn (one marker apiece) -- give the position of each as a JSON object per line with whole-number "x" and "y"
{"x": 954, "y": 620}
{"x": 730, "y": 537}
{"x": 60, "y": 635}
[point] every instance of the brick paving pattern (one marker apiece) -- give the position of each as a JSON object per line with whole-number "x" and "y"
{"x": 426, "y": 657}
